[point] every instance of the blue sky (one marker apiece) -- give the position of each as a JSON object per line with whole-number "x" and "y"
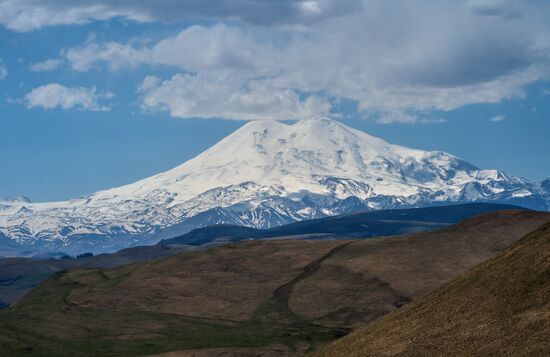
{"x": 98, "y": 95}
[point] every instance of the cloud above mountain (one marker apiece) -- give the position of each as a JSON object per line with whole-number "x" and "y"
{"x": 395, "y": 59}
{"x": 54, "y": 95}
{"x": 224, "y": 95}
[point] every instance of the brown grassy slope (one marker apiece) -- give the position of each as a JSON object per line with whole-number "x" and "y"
{"x": 231, "y": 282}
{"x": 199, "y": 300}
{"x": 19, "y": 275}
{"x": 499, "y": 308}
{"x": 248, "y": 295}
{"x": 228, "y": 282}
{"x": 375, "y": 276}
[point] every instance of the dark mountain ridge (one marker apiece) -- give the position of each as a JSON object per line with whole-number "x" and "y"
{"x": 356, "y": 225}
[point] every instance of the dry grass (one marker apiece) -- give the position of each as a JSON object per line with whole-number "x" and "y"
{"x": 244, "y": 297}
{"x": 375, "y": 276}
{"x": 499, "y": 308}
{"x": 269, "y": 351}
{"x": 228, "y": 282}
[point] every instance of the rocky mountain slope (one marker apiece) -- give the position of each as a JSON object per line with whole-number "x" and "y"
{"x": 263, "y": 175}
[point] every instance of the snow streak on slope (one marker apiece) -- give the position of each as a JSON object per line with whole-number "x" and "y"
{"x": 269, "y": 173}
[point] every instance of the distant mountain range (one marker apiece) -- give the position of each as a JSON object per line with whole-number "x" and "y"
{"x": 264, "y": 175}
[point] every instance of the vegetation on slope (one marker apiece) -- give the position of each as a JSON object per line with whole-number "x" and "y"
{"x": 499, "y": 308}
{"x": 19, "y": 275}
{"x": 251, "y": 295}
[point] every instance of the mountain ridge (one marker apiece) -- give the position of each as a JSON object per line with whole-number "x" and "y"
{"x": 355, "y": 225}
{"x": 263, "y": 175}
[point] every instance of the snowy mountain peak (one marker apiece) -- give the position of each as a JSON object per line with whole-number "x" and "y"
{"x": 16, "y": 199}
{"x": 267, "y": 173}
{"x": 271, "y": 152}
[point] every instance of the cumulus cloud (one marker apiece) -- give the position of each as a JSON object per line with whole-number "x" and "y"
{"x": 426, "y": 58}
{"x": 196, "y": 48}
{"x": 215, "y": 96}
{"x": 54, "y": 95}
{"x": 47, "y": 65}
{"x": 395, "y": 59}
{"x": 28, "y": 15}
{"x": 497, "y": 118}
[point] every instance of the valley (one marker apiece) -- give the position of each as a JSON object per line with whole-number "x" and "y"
{"x": 282, "y": 297}
{"x": 18, "y": 275}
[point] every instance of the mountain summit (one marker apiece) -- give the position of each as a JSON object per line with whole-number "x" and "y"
{"x": 264, "y": 174}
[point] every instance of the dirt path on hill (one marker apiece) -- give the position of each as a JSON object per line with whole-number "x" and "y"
{"x": 281, "y": 296}
{"x": 277, "y": 307}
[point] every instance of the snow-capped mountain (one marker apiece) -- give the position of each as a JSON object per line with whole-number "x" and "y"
{"x": 266, "y": 173}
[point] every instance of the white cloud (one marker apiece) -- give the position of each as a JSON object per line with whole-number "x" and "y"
{"x": 56, "y": 95}
{"x": 395, "y": 58}
{"x": 217, "y": 96}
{"x": 497, "y": 118}
{"x": 28, "y": 15}
{"x": 408, "y": 64}
{"x": 196, "y": 48}
{"x": 3, "y": 70}
{"x": 47, "y": 65}
{"x": 405, "y": 117}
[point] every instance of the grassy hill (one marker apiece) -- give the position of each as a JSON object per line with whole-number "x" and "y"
{"x": 19, "y": 275}
{"x": 281, "y": 297}
{"x": 499, "y": 308}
